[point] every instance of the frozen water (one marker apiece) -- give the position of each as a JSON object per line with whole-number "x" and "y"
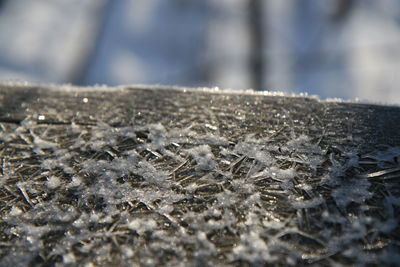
{"x": 153, "y": 194}
{"x": 354, "y": 190}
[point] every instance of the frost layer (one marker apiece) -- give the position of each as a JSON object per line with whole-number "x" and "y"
{"x": 153, "y": 195}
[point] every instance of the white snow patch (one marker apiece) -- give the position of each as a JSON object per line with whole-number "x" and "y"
{"x": 352, "y": 190}
{"x": 204, "y": 158}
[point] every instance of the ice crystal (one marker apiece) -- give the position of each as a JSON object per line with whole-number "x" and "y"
{"x": 152, "y": 194}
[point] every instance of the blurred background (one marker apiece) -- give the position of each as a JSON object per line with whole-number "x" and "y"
{"x": 331, "y": 48}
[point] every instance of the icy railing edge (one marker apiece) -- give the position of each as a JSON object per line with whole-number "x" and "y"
{"x": 213, "y": 90}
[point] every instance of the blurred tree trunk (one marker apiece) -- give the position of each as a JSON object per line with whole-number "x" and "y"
{"x": 256, "y": 64}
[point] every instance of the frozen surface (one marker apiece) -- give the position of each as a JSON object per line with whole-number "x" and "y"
{"x": 210, "y": 186}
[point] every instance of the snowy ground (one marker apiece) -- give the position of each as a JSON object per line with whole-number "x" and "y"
{"x": 312, "y": 46}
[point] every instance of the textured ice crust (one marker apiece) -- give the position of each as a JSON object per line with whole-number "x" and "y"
{"x": 151, "y": 195}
